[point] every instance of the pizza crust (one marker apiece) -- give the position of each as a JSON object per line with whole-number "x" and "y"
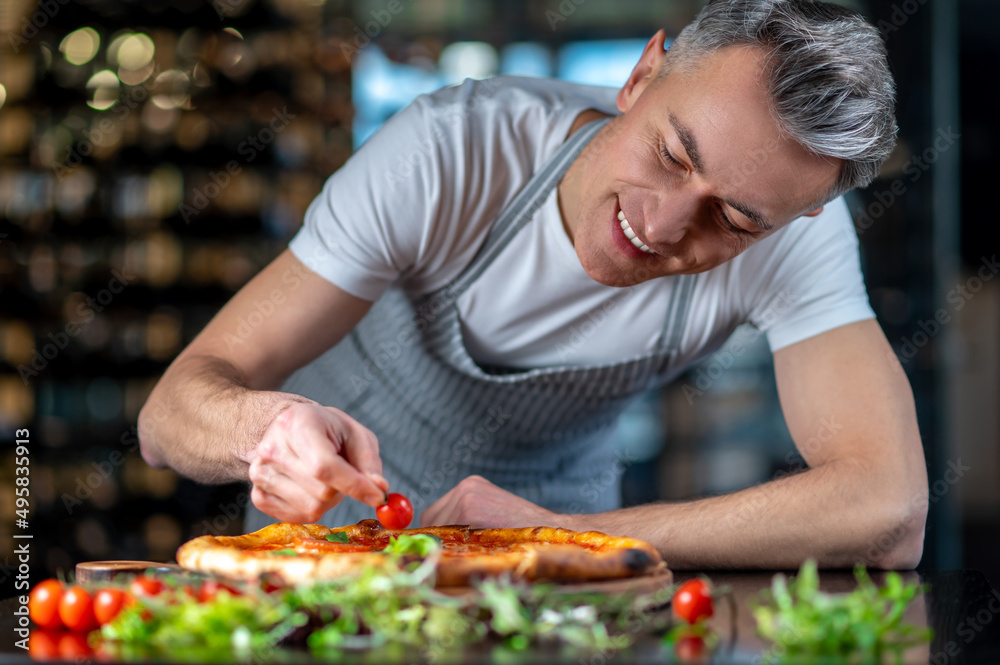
{"x": 532, "y": 553}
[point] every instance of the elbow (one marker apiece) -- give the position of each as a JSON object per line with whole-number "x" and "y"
{"x": 149, "y": 417}
{"x": 899, "y": 541}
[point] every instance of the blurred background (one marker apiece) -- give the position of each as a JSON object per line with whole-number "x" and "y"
{"x": 155, "y": 155}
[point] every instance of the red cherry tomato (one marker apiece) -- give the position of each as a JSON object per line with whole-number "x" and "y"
{"x": 693, "y": 601}
{"x": 74, "y": 647}
{"x": 187, "y": 591}
{"x": 211, "y": 588}
{"x": 690, "y": 649}
{"x": 43, "y": 644}
{"x": 108, "y": 603}
{"x": 43, "y": 604}
{"x": 76, "y": 609}
{"x": 396, "y": 512}
{"x": 145, "y": 586}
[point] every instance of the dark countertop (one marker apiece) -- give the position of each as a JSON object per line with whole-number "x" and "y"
{"x": 961, "y": 607}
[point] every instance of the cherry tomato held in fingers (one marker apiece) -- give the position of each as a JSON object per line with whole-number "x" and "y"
{"x": 108, "y": 603}
{"x": 693, "y": 601}
{"x": 396, "y": 512}
{"x": 145, "y": 586}
{"x": 76, "y": 609}
{"x": 43, "y": 604}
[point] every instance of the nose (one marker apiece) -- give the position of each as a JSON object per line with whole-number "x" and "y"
{"x": 671, "y": 220}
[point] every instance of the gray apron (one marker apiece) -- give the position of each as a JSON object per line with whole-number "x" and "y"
{"x": 543, "y": 433}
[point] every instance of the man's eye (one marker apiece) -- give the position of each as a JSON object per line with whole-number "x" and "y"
{"x": 728, "y": 224}
{"x": 665, "y": 151}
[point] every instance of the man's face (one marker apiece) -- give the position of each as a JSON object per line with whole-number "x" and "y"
{"x": 696, "y": 164}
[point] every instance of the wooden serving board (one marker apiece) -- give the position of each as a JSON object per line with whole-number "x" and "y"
{"x": 104, "y": 571}
{"x": 90, "y": 572}
{"x": 660, "y": 578}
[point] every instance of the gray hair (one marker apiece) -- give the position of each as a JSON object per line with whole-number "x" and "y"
{"x": 828, "y": 77}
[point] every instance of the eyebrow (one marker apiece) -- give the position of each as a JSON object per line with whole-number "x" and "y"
{"x": 691, "y": 148}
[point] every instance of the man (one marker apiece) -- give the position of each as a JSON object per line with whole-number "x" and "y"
{"x": 488, "y": 222}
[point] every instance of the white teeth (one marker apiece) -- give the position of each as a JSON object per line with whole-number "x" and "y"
{"x": 630, "y": 234}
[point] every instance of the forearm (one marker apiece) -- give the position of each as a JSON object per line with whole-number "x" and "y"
{"x": 839, "y": 513}
{"x": 202, "y": 420}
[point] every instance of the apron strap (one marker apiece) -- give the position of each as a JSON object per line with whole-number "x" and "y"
{"x": 524, "y": 206}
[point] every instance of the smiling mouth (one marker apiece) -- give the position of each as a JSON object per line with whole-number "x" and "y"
{"x": 630, "y": 234}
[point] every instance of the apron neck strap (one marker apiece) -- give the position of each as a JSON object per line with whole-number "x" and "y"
{"x": 524, "y": 206}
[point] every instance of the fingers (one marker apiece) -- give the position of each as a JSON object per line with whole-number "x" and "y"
{"x": 280, "y": 509}
{"x": 311, "y": 456}
{"x": 297, "y": 499}
{"x": 359, "y": 447}
{"x": 441, "y": 511}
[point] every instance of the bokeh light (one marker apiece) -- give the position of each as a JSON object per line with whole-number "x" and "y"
{"x": 105, "y": 86}
{"x": 171, "y": 90}
{"x": 80, "y": 46}
{"x": 135, "y": 52}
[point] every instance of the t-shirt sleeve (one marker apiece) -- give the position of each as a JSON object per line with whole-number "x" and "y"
{"x": 807, "y": 279}
{"x": 366, "y": 226}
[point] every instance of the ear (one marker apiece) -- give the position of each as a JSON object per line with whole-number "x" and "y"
{"x": 813, "y": 213}
{"x": 644, "y": 72}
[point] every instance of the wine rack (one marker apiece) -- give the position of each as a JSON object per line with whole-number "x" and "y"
{"x": 153, "y": 157}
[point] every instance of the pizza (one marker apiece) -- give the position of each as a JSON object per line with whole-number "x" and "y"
{"x": 297, "y": 553}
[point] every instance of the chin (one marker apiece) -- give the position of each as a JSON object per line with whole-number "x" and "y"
{"x": 604, "y": 271}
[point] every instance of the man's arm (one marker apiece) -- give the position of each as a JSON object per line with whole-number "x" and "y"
{"x": 863, "y": 498}
{"x": 214, "y": 415}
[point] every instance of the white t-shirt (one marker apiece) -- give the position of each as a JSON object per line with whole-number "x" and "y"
{"x": 417, "y": 200}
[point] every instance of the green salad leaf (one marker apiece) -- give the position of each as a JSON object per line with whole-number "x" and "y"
{"x": 391, "y": 605}
{"x": 338, "y": 537}
{"x": 864, "y": 624}
{"x": 421, "y": 544}
{"x": 177, "y": 624}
